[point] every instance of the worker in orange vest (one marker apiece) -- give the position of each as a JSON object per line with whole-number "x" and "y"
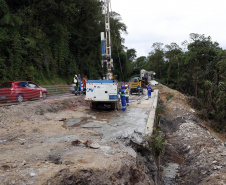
{"x": 127, "y": 94}
{"x": 84, "y": 80}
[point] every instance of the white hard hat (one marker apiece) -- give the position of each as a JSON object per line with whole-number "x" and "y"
{"x": 76, "y": 75}
{"x": 126, "y": 85}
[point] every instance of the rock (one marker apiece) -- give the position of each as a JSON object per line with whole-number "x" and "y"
{"x": 14, "y": 165}
{"x": 219, "y": 167}
{"x": 131, "y": 152}
{"x": 214, "y": 162}
{"x": 24, "y": 163}
{"x": 32, "y": 174}
{"x": 161, "y": 168}
{"x": 204, "y": 172}
{"x": 8, "y": 161}
{"x": 5, "y": 167}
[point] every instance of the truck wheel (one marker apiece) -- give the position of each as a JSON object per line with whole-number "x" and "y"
{"x": 93, "y": 105}
{"x": 113, "y": 106}
{"x": 44, "y": 95}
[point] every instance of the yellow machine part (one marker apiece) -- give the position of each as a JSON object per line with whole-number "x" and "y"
{"x": 134, "y": 85}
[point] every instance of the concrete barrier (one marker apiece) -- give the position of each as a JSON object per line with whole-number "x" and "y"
{"x": 153, "y": 102}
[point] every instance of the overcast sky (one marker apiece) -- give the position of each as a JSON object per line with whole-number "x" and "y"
{"x": 167, "y": 21}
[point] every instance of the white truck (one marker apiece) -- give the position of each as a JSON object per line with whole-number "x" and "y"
{"x": 102, "y": 92}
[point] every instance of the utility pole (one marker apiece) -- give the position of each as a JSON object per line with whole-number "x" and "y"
{"x": 107, "y": 61}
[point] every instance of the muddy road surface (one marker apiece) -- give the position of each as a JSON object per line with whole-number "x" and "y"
{"x": 63, "y": 141}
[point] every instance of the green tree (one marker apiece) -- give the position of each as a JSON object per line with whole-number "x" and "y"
{"x": 173, "y": 50}
{"x": 156, "y": 60}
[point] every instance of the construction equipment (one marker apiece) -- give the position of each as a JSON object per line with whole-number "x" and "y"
{"x": 104, "y": 92}
{"x": 147, "y": 77}
{"x": 107, "y": 61}
{"x": 133, "y": 87}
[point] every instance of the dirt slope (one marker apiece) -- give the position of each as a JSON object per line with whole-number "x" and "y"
{"x": 200, "y": 155}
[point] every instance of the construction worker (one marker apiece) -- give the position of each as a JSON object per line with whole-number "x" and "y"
{"x": 75, "y": 84}
{"x": 149, "y": 91}
{"x": 84, "y": 80}
{"x": 127, "y": 94}
{"x": 79, "y": 84}
{"x": 138, "y": 89}
{"x": 123, "y": 98}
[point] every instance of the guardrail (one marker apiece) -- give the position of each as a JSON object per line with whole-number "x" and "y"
{"x": 57, "y": 89}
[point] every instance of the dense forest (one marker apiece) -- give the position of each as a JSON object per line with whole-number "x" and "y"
{"x": 198, "y": 70}
{"x": 49, "y": 41}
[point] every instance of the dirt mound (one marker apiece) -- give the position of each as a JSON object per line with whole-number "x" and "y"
{"x": 127, "y": 174}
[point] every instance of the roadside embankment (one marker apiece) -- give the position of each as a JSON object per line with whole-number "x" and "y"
{"x": 193, "y": 155}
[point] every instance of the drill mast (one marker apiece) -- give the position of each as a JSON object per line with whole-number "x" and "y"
{"x": 107, "y": 61}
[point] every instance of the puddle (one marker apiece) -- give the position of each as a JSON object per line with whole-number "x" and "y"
{"x": 96, "y": 117}
{"x": 113, "y": 125}
{"x": 2, "y": 140}
{"x": 74, "y": 122}
{"x": 169, "y": 173}
{"x": 171, "y": 170}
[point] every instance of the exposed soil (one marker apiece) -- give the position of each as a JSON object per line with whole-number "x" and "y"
{"x": 38, "y": 147}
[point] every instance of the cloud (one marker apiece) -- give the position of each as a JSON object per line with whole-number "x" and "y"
{"x": 167, "y": 21}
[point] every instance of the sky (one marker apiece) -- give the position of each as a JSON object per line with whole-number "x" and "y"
{"x": 167, "y": 21}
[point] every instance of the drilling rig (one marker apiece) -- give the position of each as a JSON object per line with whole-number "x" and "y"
{"x": 104, "y": 92}
{"x": 107, "y": 61}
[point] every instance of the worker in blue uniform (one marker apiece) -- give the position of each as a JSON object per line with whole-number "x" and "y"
{"x": 123, "y": 97}
{"x": 149, "y": 91}
{"x": 79, "y": 84}
{"x": 138, "y": 89}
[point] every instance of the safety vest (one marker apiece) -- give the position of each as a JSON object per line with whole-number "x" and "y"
{"x": 127, "y": 92}
{"x": 75, "y": 82}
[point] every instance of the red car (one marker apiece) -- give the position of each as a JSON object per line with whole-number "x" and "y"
{"x": 20, "y": 91}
